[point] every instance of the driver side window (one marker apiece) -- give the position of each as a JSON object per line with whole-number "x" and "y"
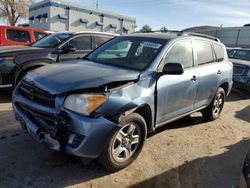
{"x": 80, "y": 43}
{"x": 181, "y": 52}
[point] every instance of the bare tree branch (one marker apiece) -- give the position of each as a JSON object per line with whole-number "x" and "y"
{"x": 13, "y": 10}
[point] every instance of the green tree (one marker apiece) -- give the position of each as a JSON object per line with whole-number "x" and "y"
{"x": 145, "y": 29}
{"x": 164, "y": 29}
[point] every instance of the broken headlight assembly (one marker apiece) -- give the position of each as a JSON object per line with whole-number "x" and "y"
{"x": 84, "y": 104}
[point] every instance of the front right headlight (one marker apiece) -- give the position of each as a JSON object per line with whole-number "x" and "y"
{"x": 84, "y": 104}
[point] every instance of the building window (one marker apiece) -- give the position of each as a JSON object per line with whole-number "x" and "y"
{"x": 39, "y": 17}
{"x": 113, "y": 28}
{"x": 101, "y": 18}
{"x": 125, "y": 30}
{"x": 45, "y": 17}
{"x": 32, "y": 19}
{"x": 84, "y": 22}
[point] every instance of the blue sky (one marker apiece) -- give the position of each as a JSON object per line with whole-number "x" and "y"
{"x": 179, "y": 14}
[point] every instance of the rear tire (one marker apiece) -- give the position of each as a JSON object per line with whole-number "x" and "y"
{"x": 126, "y": 144}
{"x": 213, "y": 111}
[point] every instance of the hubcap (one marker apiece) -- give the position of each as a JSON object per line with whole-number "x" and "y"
{"x": 218, "y": 103}
{"x": 126, "y": 142}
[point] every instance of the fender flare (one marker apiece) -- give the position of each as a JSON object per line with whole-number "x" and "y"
{"x": 29, "y": 65}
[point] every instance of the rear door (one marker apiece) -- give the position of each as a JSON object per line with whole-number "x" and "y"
{"x": 100, "y": 39}
{"x": 176, "y": 93}
{"x": 82, "y": 44}
{"x": 209, "y": 72}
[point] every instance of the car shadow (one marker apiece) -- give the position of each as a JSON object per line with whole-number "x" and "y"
{"x": 244, "y": 114}
{"x": 238, "y": 94}
{"x": 26, "y": 163}
{"x": 211, "y": 171}
{"x": 179, "y": 124}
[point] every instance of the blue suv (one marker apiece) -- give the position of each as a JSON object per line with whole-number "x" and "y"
{"x": 241, "y": 72}
{"x": 104, "y": 105}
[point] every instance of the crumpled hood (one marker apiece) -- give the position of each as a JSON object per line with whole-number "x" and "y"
{"x": 65, "y": 77}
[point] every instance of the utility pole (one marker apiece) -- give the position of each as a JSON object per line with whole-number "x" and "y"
{"x": 97, "y": 4}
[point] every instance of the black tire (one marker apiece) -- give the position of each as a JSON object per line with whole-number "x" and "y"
{"x": 210, "y": 113}
{"x": 107, "y": 160}
{"x": 21, "y": 75}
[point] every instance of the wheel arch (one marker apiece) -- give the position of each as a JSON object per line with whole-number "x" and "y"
{"x": 27, "y": 66}
{"x": 225, "y": 86}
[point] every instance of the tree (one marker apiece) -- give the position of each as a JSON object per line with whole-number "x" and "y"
{"x": 164, "y": 29}
{"x": 146, "y": 28}
{"x": 13, "y": 10}
{"x": 246, "y": 25}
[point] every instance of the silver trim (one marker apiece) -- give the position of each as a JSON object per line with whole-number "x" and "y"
{"x": 179, "y": 117}
{"x": 6, "y": 86}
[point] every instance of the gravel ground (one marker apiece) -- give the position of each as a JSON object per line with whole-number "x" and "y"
{"x": 187, "y": 153}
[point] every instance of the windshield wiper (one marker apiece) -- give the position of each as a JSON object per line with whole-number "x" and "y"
{"x": 85, "y": 58}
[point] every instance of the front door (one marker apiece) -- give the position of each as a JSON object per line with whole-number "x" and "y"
{"x": 83, "y": 46}
{"x": 176, "y": 93}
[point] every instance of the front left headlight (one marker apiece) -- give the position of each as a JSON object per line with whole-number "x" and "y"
{"x": 84, "y": 104}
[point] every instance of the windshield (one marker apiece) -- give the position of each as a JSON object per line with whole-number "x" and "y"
{"x": 52, "y": 41}
{"x": 239, "y": 54}
{"x": 128, "y": 52}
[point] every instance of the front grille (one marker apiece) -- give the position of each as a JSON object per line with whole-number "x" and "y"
{"x": 238, "y": 70}
{"x": 33, "y": 93}
{"x": 45, "y": 120}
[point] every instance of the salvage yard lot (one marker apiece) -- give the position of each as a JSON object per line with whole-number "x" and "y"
{"x": 187, "y": 153}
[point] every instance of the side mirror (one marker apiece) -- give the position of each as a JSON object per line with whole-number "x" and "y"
{"x": 68, "y": 48}
{"x": 173, "y": 69}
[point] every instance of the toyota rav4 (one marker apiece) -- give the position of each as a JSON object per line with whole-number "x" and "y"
{"x": 104, "y": 105}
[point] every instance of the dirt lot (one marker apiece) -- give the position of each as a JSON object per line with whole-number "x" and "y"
{"x": 187, "y": 153}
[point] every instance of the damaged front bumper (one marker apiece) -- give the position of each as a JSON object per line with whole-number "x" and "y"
{"x": 64, "y": 131}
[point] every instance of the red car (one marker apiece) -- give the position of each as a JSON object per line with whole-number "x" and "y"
{"x": 20, "y": 36}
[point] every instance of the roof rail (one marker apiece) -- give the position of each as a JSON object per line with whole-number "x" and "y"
{"x": 159, "y": 31}
{"x": 200, "y": 35}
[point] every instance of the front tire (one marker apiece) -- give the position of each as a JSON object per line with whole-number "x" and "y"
{"x": 213, "y": 111}
{"x": 126, "y": 144}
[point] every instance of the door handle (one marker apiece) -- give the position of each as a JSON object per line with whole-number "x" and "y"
{"x": 219, "y": 72}
{"x": 194, "y": 78}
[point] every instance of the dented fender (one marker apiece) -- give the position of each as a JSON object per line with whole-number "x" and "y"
{"x": 128, "y": 99}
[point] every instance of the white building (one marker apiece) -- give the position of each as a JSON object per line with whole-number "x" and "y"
{"x": 57, "y": 15}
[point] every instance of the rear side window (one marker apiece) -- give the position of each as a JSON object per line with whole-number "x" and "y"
{"x": 18, "y": 35}
{"x": 99, "y": 40}
{"x": 39, "y": 35}
{"x": 182, "y": 53}
{"x": 219, "y": 52}
{"x": 81, "y": 43}
{"x": 204, "y": 52}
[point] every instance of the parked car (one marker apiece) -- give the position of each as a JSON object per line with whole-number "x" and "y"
{"x": 245, "y": 174}
{"x": 104, "y": 106}
{"x": 241, "y": 72}
{"x": 20, "y": 36}
{"x": 15, "y": 62}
